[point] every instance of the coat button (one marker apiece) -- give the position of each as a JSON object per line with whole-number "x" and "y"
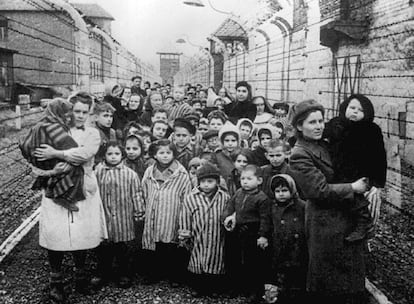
{"x": 296, "y": 235}
{"x": 282, "y": 222}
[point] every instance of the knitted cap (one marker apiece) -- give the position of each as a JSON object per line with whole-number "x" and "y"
{"x": 184, "y": 123}
{"x": 228, "y": 128}
{"x": 209, "y": 134}
{"x": 207, "y": 169}
{"x": 303, "y": 108}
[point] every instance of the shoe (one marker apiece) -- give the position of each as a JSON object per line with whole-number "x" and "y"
{"x": 57, "y": 292}
{"x": 124, "y": 282}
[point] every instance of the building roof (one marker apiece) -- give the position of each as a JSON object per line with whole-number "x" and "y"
{"x": 230, "y": 29}
{"x": 20, "y": 5}
{"x": 9, "y": 51}
{"x": 92, "y": 10}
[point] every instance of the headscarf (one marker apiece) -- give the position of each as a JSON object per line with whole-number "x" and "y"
{"x": 289, "y": 180}
{"x": 57, "y": 111}
{"x": 366, "y": 104}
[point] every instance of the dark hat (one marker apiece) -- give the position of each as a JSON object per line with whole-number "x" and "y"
{"x": 184, "y": 123}
{"x": 207, "y": 169}
{"x": 192, "y": 116}
{"x": 210, "y": 134}
{"x": 303, "y": 108}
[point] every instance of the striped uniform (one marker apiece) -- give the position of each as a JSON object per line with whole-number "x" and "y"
{"x": 178, "y": 109}
{"x": 200, "y": 218}
{"x": 163, "y": 203}
{"x": 120, "y": 190}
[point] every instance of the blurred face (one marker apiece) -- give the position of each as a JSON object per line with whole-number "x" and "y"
{"x": 213, "y": 143}
{"x": 242, "y": 93}
{"x": 164, "y": 92}
{"x": 181, "y": 137}
{"x": 230, "y": 143}
{"x": 288, "y": 153}
{"x": 132, "y": 149}
{"x": 80, "y": 114}
{"x": 193, "y": 168}
{"x": 133, "y": 130}
{"x": 137, "y": 82}
{"x": 202, "y": 95}
{"x": 265, "y": 139}
{"x": 208, "y": 185}
{"x": 254, "y": 144}
{"x": 278, "y": 132}
{"x": 245, "y": 131}
{"x": 104, "y": 119}
{"x": 219, "y": 103}
{"x": 276, "y": 156}
{"x": 313, "y": 126}
{"x": 127, "y": 93}
{"x": 159, "y": 116}
{"x": 249, "y": 181}
{"x": 222, "y": 92}
{"x": 354, "y": 111}
{"x": 147, "y": 142}
{"x": 159, "y": 130}
{"x": 216, "y": 124}
{"x": 178, "y": 94}
{"x": 134, "y": 102}
{"x": 164, "y": 155}
{"x": 260, "y": 106}
{"x": 156, "y": 101}
{"x": 241, "y": 162}
{"x": 148, "y": 91}
{"x": 203, "y": 128}
{"x": 197, "y": 105}
{"x": 113, "y": 156}
{"x": 282, "y": 194}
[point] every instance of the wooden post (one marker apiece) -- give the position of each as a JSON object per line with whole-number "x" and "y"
{"x": 18, "y": 118}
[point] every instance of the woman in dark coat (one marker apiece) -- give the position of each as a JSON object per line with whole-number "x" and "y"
{"x": 243, "y": 107}
{"x": 336, "y": 269}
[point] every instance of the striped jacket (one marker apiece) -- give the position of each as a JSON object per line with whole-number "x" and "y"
{"x": 162, "y": 205}
{"x": 178, "y": 109}
{"x": 200, "y": 219}
{"x": 120, "y": 190}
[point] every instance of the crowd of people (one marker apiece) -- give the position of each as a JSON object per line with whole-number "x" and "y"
{"x": 226, "y": 193}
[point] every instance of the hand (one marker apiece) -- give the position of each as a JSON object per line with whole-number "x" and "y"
{"x": 140, "y": 216}
{"x": 230, "y": 222}
{"x": 373, "y": 196}
{"x": 45, "y": 152}
{"x": 61, "y": 168}
{"x": 262, "y": 242}
{"x": 360, "y": 186}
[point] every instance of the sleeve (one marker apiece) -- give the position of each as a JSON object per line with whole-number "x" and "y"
{"x": 144, "y": 184}
{"x": 84, "y": 153}
{"x": 312, "y": 182}
{"x": 265, "y": 217}
{"x": 378, "y": 160}
{"x": 136, "y": 194}
{"x": 187, "y": 187}
{"x": 185, "y": 221}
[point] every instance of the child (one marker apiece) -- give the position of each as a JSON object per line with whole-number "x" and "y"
{"x": 131, "y": 128}
{"x": 159, "y": 129}
{"x": 264, "y": 134}
{"x": 229, "y": 138}
{"x": 289, "y": 250}
{"x": 276, "y": 155}
{"x": 103, "y": 120}
{"x": 241, "y": 159}
{"x": 357, "y": 150}
{"x": 134, "y": 159}
{"x": 203, "y": 126}
{"x": 246, "y": 131}
{"x": 159, "y": 114}
{"x": 146, "y": 138}
{"x": 212, "y": 142}
{"x": 216, "y": 120}
{"x": 200, "y": 226}
{"x": 193, "y": 165}
{"x": 165, "y": 185}
{"x": 279, "y": 130}
{"x": 183, "y": 131}
{"x": 247, "y": 215}
{"x": 119, "y": 188}
{"x": 179, "y": 108}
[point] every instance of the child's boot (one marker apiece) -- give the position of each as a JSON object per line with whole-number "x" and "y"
{"x": 81, "y": 282}
{"x": 57, "y": 292}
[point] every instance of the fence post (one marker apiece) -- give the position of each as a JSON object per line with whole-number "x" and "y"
{"x": 18, "y": 118}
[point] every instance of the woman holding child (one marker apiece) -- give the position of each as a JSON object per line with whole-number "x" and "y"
{"x": 336, "y": 268}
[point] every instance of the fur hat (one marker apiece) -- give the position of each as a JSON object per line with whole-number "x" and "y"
{"x": 366, "y": 105}
{"x": 246, "y": 121}
{"x": 184, "y": 123}
{"x": 207, "y": 169}
{"x": 228, "y": 128}
{"x": 303, "y": 108}
{"x": 209, "y": 134}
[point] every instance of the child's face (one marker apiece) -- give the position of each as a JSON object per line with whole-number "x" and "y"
{"x": 178, "y": 94}
{"x": 241, "y": 162}
{"x": 127, "y": 93}
{"x": 280, "y": 112}
{"x": 193, "y": 168}
{"x": 213, "y": 143}
{"x": 104, "y": 119}
{"x": 278, "y": 132}
{"x": 133, "y": 131}
{"x": 265, "y": 139}
{"x": 282, "y": 194}
{"x": 197, "y": 105}
{"x": 156, "y": 101}
{"x": 202, "y": 95}
{"x": 133, "y": 103}
{"x": 159, "y": 130}
{"x": 216, "y": 124}
{"x": 288, "y": 153}
{"x": 208, "y": 185}
{"x": 249, "y": 181}
{"x": 276, "y": 156}
{"x": 230, "y": 143}
{"x": 132, "y": 149}
{"x": 202, "y": 128}
{"x": 113, "y": 156}
{"x": 245, "y": 131}
{"x": 354, "y": 111}
{"x": 164, "y": 155}
{"x": 222, "y": 92}
{"x": 254, "y": 144}
{"x": 182, "y": 137}
{"x": 159, "y": 116}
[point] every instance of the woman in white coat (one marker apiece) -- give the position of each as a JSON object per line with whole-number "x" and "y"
{"x": 61, "y": 230}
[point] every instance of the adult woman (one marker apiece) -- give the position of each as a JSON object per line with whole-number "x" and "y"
{"x": 264, "y": 112}
{"x": 336, "y": 269}
{"x": 243, "y": 106}
{"x": 63, "y": 231}
{"x": 154, "y": 101}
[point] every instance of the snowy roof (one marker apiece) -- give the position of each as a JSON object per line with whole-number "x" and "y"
{"x": 92, "y": 10}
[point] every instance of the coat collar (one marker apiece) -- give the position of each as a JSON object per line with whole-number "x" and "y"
{"x": 178, "y": 169}
{"x": 317, "y": 148}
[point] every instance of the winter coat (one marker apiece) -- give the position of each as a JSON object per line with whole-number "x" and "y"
{"x": 259, "y": 157}
{"x": 334, "y": 267}
{"x": 225, "y": 164}
{"x": 237, "y": 110}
